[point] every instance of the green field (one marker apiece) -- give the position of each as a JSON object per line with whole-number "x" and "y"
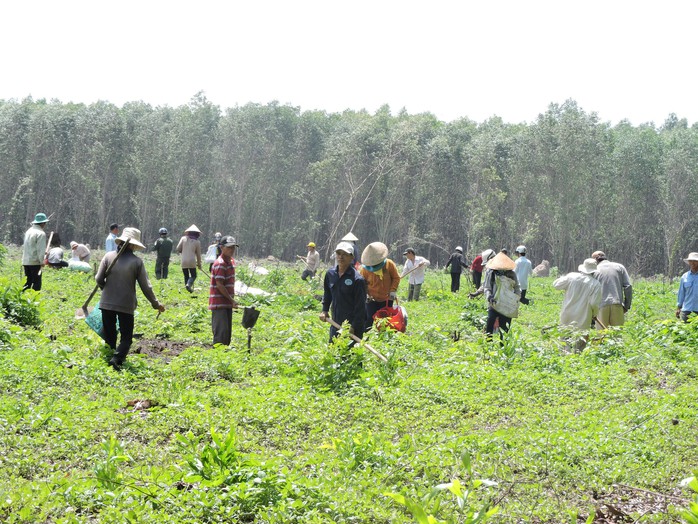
{"x": 294, "y": 431}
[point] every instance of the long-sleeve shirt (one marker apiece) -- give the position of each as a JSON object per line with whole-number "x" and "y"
{"x": 190, "y": 250}
{"x": 379, "y": 284}
{"x": 523, "y": 270}
{"x": 688, "y": 292}
{"x": 34, "y": 246}
{"x": 582, "y": 300}
{"x": 110, "y": 243}
{"x": 119, "y": 288}
{"x": 345, "y": 297}
{"x": 616, "y": 287}
{"x": 312, "y": 260}
{"x": 163, "y": 247}
{"x": 476, "y": 266}
{"x": 457, "y": 262}
{"x": 417, "y": 276}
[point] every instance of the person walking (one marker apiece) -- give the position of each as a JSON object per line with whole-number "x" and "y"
{"x": 189, "y": 247}
{"x": 221, "y": 294}
{"x": 524, "y": 269}
{"x": 118, "y": 300}
{"x": 582, "y": 300}
{"x": 163, "y": 248}
{"x": 502, "y": 292}
{"x": 485, "y": 256}
{"x": 312, "y": 261}
{"x": 382, "y": 279}
{"x": 110, "y": 242}
{"x": 476, "y": 270}
{"x": 344, "y": 293}
{"x": 688, "y": 289}
{"x": 416, "y": 266}
{"x": 457, "y": 263}
{"x": 34, "y": 252}
{"x": 616, "y": 293}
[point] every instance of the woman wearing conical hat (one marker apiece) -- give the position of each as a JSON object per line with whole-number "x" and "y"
{"x": 189, "y": 247}
{"x": 502, "y": 292}
{"x": 382, "y": 279}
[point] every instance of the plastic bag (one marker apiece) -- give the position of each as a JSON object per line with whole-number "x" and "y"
{"x": 391, "y": 317}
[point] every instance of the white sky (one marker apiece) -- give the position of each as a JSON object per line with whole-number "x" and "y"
{"x": 622, "y": 59}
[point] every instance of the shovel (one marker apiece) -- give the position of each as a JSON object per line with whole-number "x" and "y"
{"x": 358, "y": 340}
{"x": 249, "y": 319}
{"x": 82, "y": 312}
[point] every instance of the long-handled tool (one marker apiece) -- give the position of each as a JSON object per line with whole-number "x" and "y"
{"x": 249, "y": 319}
{"x": 48, "y": 247}
{"x": 81, "y": 313}
{"x": 358, "y": 340}
{"x": 413, "y": 269}
{"x": 597, "y": 319}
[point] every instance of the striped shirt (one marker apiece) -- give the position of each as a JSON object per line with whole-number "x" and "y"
{"x": 222, "y": 271}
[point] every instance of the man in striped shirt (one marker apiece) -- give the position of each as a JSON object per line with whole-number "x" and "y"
{"x": 221, "y": 295}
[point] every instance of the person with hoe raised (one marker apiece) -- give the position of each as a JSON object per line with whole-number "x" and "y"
{"x": 344, "y": 293}
{"x": 382, "y": 279}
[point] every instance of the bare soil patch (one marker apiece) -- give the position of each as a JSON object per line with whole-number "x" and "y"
{"x": 162, "y": 349}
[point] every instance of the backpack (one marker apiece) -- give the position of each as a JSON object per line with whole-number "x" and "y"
{"x": 506, "y": 302}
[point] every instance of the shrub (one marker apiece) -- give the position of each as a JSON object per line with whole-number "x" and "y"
{"x": 20, "y": 307}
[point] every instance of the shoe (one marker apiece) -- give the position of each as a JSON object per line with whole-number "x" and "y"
{"x": 188, "y": 288}
{"x": 115, "y": 364}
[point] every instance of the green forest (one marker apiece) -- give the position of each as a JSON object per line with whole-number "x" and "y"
{"x": 276, "y": 177}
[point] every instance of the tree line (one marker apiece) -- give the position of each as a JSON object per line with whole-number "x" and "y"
{"x": 276, "y": 178}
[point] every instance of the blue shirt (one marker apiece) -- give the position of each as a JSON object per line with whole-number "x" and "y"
{"x": 110, "y": 243}
{"x": 688, "y": 292}
{"x": 345, "y": 296}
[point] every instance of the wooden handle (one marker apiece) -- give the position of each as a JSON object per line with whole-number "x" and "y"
{"x": 357, "y": 339}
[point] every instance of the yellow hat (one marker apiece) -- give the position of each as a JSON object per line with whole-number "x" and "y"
{"x": 311, "y": 244}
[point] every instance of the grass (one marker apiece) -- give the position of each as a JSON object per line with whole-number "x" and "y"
{"x": 294, "y": 431}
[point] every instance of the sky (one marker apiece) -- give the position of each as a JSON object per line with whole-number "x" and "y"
{"x": 624, "y": 60}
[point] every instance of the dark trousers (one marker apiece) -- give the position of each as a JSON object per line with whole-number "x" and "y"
{"x": 33, "y": 274}
{"x": 162, "y": 266}
{"x": 222, "y": 325}
{"x": 492, "y": 316}
{"x": 477, "y": 279}
{"x": 125, "y": 327}
{"x": 455, "y": 282}
{"x": 371, "y": 308}
{"x": 523, "y": 298}
{"x": 189, "y": 276}
{"x": 307, "y": 274}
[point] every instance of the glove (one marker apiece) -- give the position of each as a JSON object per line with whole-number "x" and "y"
{"x": 393, "y": 295}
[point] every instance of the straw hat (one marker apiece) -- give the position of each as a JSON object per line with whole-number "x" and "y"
{"x": 588, "y": 267}
{"x": 350, "y": 237}
{"x": 134, "y": 235}
{"x": 374, "y": 254}
{"x": 192, "y": 229}
{"x": 692, "y": 257}
{"x": 501, "y": 262}
{"x": 73, "y": 244}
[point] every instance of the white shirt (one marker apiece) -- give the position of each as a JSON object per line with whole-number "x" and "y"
{"x": 523, "y": 270}
{"x": 312, "y": 260}
{"x": 582, "y": 300}
{"x": 417, "y": 276}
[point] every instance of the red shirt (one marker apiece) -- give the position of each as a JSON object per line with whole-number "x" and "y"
{"x": 222, "y": 271}
{"x": 477, "y": 264}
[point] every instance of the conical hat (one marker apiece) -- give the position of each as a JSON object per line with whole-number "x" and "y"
{"x": 501, "y": 262}
{"x": 350, "y": 237}
{"x": 374, "y": 254}
{"x": 192, "y": 229}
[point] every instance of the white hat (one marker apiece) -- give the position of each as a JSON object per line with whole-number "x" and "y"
{"x": 134, "y": 237}
{"x": 588, "y": 267}
{"x": 521, "y": 249}
{"x": 73, "y": 244}
{"x": 346, "y": 247}
{"x": 692, "y": 257}
{"x": 459, "y": 248}
{"x": 350, "y": 237}
{"x": 192, "y": 229}
{"x": 374, "y": 254}
{"x": 487, "y": 254}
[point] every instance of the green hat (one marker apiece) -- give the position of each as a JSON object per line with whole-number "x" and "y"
{"x": 40, "y": 218}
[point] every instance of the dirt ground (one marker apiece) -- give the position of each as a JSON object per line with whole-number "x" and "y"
{"x": 157, "y": 348}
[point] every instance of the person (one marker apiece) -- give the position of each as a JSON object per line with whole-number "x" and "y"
{"x": 213, "y": 251}
{"x": 524, "y": 269}
{"x": 688, "y": 289}
{"x": 344, "y": 293}
{"x": 118, "y": 300}
{"x": 110, "y": 242}
{"x": 221, "y": 293}
{"x": 416, "y": 266}
{"x": 502, "y": 292}
{"x": 55, "y": 253}
{"x": 189, "y": 247}
{"x": 616, "y": 293}
{"x": 457, "y": 263}
{"x": 34, "y": 252}
{"x": 382, "y": 279}
{"x": 476, "y": 271}
{"x": 505, "y": 251}
{"x": 582, "y": 300}
{"x": 80, "y": 252}
{"x": 312, "y": 261}
{"x": 163, "y": 248}
{"x": 485, "y": 256}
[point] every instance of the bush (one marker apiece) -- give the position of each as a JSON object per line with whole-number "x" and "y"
{"x": 20, "y": 307}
